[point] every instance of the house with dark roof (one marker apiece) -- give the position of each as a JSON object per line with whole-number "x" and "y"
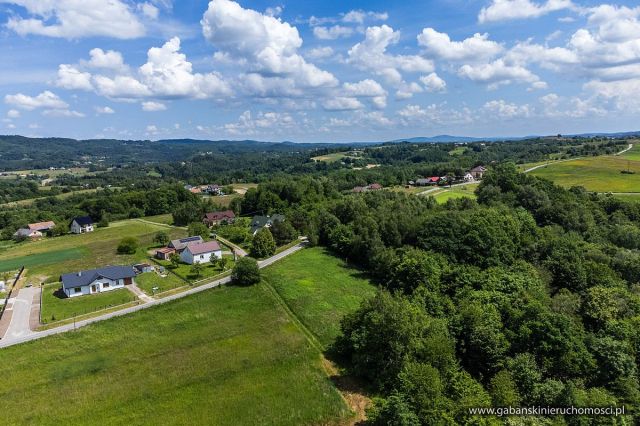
{"x": 259, "y": 222}
{"x": 201, "y": 252}
{"x": 81, "y": 225}
{"x": 98, "y": 280}
{"x": 181, "y": 244}
{"x": 217, "y": 218}
{"x": 478, "y": 172}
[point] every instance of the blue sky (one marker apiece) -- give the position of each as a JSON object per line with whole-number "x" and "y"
{"x": 316, "y": 70}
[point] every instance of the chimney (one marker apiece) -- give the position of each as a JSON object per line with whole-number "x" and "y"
{"x": 80, "y": 273}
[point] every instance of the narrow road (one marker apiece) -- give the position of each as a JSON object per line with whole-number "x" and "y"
{"x": 442, "y": 188}
{"x": 571, "y": 159}
{"x": 625, "y": 150}
{"x": 21, "y": 312}
{"x": 13, "y": 339}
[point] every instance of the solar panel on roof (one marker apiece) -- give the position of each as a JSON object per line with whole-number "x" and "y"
{"x": 189, "y": 239}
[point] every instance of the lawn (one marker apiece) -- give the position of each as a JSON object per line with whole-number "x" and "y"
{"x": 51, "y": 257}
{"x": 331, "y": 158}
{"x": 229, "y": 356}
{"x": 455, "y": 192}
{"x": 147, "y": 281}
{"x": 184, "y": 271}
{"x": 165, "y": 219}
{"x": 319, "y": 288}
{"x": 56, "y": 307}
{"x": 598, "y": 174}
{"x": 633, "y": 153}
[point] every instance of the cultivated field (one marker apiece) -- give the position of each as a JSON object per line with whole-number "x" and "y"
{"x": 598, "y": 174}
{"x": 51, "y": 257}
{"x": 320, "y": 289}
{"x": 228, "y": 356}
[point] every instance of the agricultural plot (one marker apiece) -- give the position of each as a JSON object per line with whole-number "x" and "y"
{"x": 229, "y": 356}
{"x": 56, "y": 307}
{"x": 598, "y": 174}
{"x": 320, "y": 289}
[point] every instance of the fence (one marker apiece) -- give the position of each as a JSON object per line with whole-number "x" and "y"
{"x": 6, "y": 300}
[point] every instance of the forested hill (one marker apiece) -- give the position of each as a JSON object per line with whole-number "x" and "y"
{"x": 19, "y": 152}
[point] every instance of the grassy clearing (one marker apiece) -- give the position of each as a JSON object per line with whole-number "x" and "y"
{"x": 184, "y": 271}
{"x": 56, "y": 307}
{"x": 165, "y": 219}
{"x": 319, "y": 288}
{"x": 598, "y": 174}
{"x": 633, "y": 153}
{"x": 229, "y": 356}
{"x": 147, "y": 281}
{"x": 331, "y": 158}
{"x": 93, "y": 250}
{"x": 29, "y": 201}
{"x": 442, "y": 196}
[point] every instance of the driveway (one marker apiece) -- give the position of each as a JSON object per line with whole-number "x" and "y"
{"x": 21, "y": 314}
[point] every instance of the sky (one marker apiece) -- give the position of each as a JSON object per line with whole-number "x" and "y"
{"x": 317, "y": 71}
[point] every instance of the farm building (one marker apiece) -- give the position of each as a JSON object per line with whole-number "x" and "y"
{"x": 24, "y": 233}
{"x": 141, "y": 268}
{"x": 164, "y": 253}
{"x": 217, "y": 218}
{"x": 201, "y": 252}
{"x": 42, "y": 226}
{"x": 81, "y": 225}
{"x": 97, "y": 280}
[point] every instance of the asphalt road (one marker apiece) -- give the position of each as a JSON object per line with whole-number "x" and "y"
{"x": 19, "y": 325}
{"x": 28, "y": 335}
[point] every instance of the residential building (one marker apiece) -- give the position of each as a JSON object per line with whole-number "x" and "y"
{"x": 181, "y": 244}
{"x": 259, "y": 222}
{"x": 164, "y": 253}
{"x": 217, "y": 218}
{"x": 97, "y": 280}
{"x": 24, "y": 233}
{"x": 201, "y": 252}
{"x": 42, "y": 226}
{"x": 81, "y": 225}
{"x": 477, "y": 172}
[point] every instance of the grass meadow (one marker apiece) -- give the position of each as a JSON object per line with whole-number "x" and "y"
{"x": 442, "y": 196}
{"x": 320, "y": 289}
{"x": 147, "y": 281}
{"x": 598, "y": 174}
{"x": 229, "y": 356}
{"x": 55, "y": 307}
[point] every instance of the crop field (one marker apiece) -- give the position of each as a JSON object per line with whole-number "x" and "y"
{"x": 320, "y": 289}
{"x": 51, "y": 257}
{"x": 598, "y": 174}
{"x": 230, "y": 356}
{"x": 56, "y": 307}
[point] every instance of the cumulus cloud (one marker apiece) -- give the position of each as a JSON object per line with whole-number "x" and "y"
{"x": 505, "y": 10}
{"x": 320, "y": 52}
{"x": 13, "y": 113}
{"x": 270, "y": 122}
{"x": 504, "y": 109}
{"x": 433, "y": 83}
{"x": 69, "y": 77}
{"x": 342, "y": 103}
{"x": 104, "y": 110}
{"x": 76, "y": 19}
{"x": 332, "y": 33}
{"x": 45, "y": 99}
{"x": 499, "y": 73}
{"x": 371, "y": 55}
{"x": 109, "y": 60}
{"x": 62, "y": 113}
{"x": 151, "y": 106}
{"x": 477, "y": 48}
{"x": 266, "y": 44}
{"x": 359, "y": 16}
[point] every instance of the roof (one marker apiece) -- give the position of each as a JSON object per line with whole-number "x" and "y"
{"x": 227, "y": 214}
{"x": 261, "y": 221}
{"x": 479, "y": 169}
{"x": 201, "y": 248}
{"x": 375, "y": 186}
{"x": 41, "y": 226}
{"x": 182, "y": 243}
{"x": 25, "y": 232}
{"x": 83, "y": 220}
{"x": 83, "y": 278}
{"x": 165, "y": 250}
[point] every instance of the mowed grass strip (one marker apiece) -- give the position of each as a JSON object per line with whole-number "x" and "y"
{"x": 41, "y": 259}
{"x": 56, "y": 307}
{"x": 147, "y": 281}
{"x": 229, "y": 356}
{"x": 320, "y": 289}
{"x": 598, "y": 174}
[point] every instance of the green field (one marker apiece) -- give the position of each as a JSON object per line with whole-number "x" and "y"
{"x": 442, "y": 196}
{"x": 184, "y": 271}
{"x": 165, "y": 219}
{"x": 56, "y": 307}
{"x": 320, "y": 289}
{"x": 633, "y": 153}
{"x": 598, "y": 174}
{"x": 229, "y": 356}
{"x": 147, "y": 281}
{"x": 332, "y": 158}
{"x": 51, "y": 257}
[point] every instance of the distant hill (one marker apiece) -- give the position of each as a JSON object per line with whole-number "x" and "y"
{"x": 450, "y": 138}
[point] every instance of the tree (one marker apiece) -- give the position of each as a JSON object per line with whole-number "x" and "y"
{"x": 161, "y": 238}
{"x": 215, "y": 261}
{"x": 263, "y": 244}
{"x": 283, "y": 232}
{"x": 246, "y": 272}
{"x": 104, "y": 222}
{"x": 128, "y": 245}
{"x": 224, "y": 263}
{"x": 198, "y": 228}
{"x": 175, "y": 260}
{"x": 187, "y": 212}
{"x": 196, "y": 269}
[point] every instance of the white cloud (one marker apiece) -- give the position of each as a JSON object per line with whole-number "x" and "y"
{"x": 504, "y": 109}
{"x": 153, "y": 106}
{"x": 109, "y": 60}
{"x": 371, "y": 55}
{"x": 266, "y": 44}
{"x": 76, "y": 19}
{"x": 45, "y": 99}
{"x": 320, "y": 52}
{"x": 13, "y": 113}
{"x": 104, "y": 110}
{"x": 69, "y": 77}
{"x": 342, "y": 103}
{"x": 477, "y": 48}
{"x": 120, "y": 87}
{"x": 62, "y": 113}
{"x": 433, "y": 83}
{"x": 504, "y": 10}
{"x": 332, "y": 33}
{"x": 407, "y": 90}
{"x": 149, "y": 10}
{"x": 359, "y": 16}
{"x": 499, "y": 73}
{"x": 366, "y": 88}
{"x": 269, "y": 122}
{"x": 152, "y": 129}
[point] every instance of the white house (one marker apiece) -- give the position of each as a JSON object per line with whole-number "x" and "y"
{"x": 97, "y": 280}
{"x": 80, "y": 225}
{"x": 201, "y": 252}
{"x": 468, "y": 177}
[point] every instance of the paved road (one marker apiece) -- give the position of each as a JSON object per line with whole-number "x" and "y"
{"x": 21, "y": 312}
{"x": 16, "y": 339}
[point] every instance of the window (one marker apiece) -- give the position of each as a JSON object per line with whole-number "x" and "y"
{"x": 202, "y": 256}
{"x": 105, "y": 285}
{"x": 77, "y": 290}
